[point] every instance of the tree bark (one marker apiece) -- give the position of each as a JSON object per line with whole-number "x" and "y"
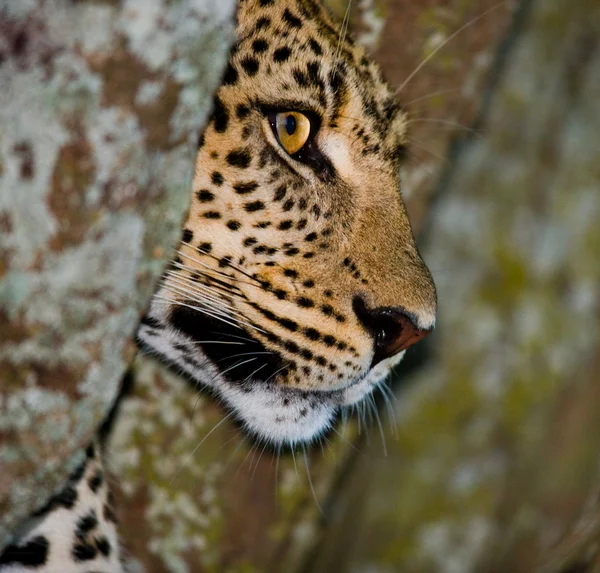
{"x": 101, "y": 104}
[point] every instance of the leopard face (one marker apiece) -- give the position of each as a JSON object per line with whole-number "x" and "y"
{"x": 297, "y": 284}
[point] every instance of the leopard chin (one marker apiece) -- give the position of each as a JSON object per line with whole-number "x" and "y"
{"x": 276, "y": 414}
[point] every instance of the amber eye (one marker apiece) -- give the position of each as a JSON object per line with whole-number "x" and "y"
{"x": 292, "y": 129}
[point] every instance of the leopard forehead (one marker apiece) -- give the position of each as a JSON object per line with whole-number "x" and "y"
{"x": 291, "y": 55}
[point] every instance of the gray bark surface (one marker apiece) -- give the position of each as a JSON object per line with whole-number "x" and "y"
{"x": 101, "y": 104}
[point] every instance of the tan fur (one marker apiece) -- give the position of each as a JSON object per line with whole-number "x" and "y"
{"x": 364, "y": 244}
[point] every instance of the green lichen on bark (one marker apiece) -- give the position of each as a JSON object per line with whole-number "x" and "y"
{"x": 100, "y": 107}
{"x": 496, "y": 465}
{"x": 196, "y": 495}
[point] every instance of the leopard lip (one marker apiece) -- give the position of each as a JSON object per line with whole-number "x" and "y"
{"x": 253, "y": 361}
{"x": 273, "y": 413}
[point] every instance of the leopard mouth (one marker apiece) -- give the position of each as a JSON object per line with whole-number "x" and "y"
{"x": 278, "y": 414}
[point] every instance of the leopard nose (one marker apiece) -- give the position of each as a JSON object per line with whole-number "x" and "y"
{"x": 393, "y": 328}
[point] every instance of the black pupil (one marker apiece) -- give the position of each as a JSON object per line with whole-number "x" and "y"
{"x": 290, "y": 124}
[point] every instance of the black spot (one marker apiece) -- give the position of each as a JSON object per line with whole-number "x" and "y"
{"x": 204, "y": 196}
{"x": 305, "y": 302}
{"x": 33, "y": 554}
{"x": 204, "y": 248}
{"x": 302, "y": 204}
{"x": 211, "y": 215}
{"x": 233, "y": 225}
{"x": 220, "y": 116}
{"x": 242, "y": 111}
{"x": 310, "y": 237}
{"x": 307, "y": 355}
{"x": 286, "y": 401}
{"x": 259, "y": 46}
{"x": 315, "y": 47}
{"x": 239, "y": 158}
{"x": 327, "y": 309}
{"x": 328, "y": 340}
{"x": 244, "y": 188}
{"x": 321, "y": 361}
{"x": 290, "y": 273}
{"x": 301, "y": 224}
{"x": 265, "y": 3}
{"x": 312, "y": 333}
{"x": 328, "y": 293}
{"x": 280, "y": 193}
{"x": 217, "y": 178}
{"x": 280, "y": 294}
{"x": 103, "y": 545}
{"x": 66, "y": 498}
{"x": 308, "y": 255}
{"x": 263, "y": 224}
{"x": 291, "y": 346}
{"x": 262, "y": 23}
{"x": 90, "y": 451}
{"x": 231, "y": 75}
{"x": 95, "y": 481}
{"x": 291, "y": 19}
{"x": 85, "y": 524}
{"x": 187, "y": 236}
{"x": 304, "y": 412}
{"x": 300, "y": 77}
{"x": 288, "y": 205}
{"x": 225, "y": 262}
{"x": 84, "y": 552}
{"x": 314, "y": 74}
{"x": 309, "y": 283}
{"x": 201, "y": 141}
{"x": 285, "y": 225}
{"x": 281, "y": 54}
{"x": 291, "y": 252}
{"x": 253, "y": 206}
{"x": 250, "y": 65}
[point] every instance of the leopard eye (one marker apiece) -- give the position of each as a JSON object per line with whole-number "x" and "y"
{"x": 292, "y": 129}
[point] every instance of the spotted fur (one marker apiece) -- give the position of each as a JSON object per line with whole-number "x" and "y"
{"x": 75, "y": 532}
{"x": 297, "y": 277}
{"x": 261, "y": 302}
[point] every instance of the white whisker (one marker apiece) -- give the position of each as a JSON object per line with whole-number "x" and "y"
{"x": 187, "y": 459}
{"x": 310, "y": 483}
{"x": 444, "y": 43}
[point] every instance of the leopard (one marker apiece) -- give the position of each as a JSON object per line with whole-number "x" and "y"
{"x": 297, "y": 284}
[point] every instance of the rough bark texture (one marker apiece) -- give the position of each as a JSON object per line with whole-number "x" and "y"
{"x": 101, "y": 104}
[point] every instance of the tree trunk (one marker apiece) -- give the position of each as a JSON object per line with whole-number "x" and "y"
{"x": 100, "y": 109}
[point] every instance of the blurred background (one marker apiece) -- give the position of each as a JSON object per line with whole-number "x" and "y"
{"x": 485, "y": 452}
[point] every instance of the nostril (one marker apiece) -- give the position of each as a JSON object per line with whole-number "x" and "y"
{"x": 393, "y": 328}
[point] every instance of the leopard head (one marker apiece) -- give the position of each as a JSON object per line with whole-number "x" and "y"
{"x": 297, "y": 284}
